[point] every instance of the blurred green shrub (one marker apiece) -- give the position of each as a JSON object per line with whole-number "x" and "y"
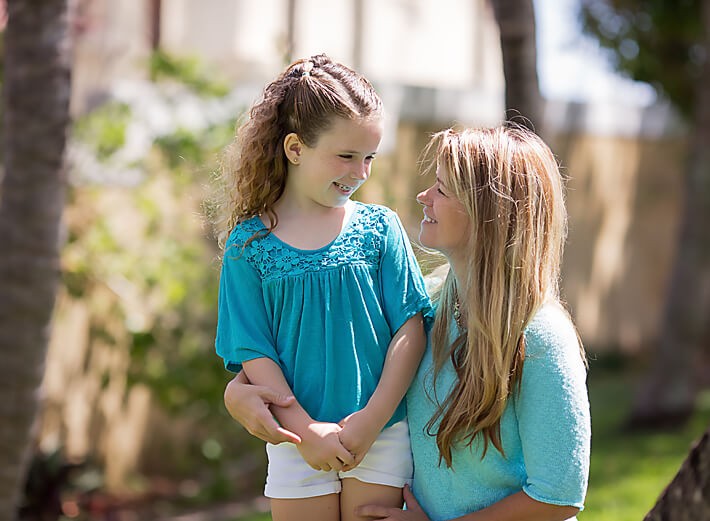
{"x": 149, "y": 246}
{"x": 189, "y": 71}
{"x": 104, "y": 129}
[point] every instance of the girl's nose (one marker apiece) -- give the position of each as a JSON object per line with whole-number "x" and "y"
{"x": 361, "y": 172}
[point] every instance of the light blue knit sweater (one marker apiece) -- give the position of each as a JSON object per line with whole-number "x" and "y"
{"x": 545, "y": 431}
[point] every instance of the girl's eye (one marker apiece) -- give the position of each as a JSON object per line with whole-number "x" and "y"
{"x": 346, "y": 156}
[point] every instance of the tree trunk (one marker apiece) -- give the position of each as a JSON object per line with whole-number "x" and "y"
{"x": 667, "y": 395}
{"x": 516, "y": 23}
{"x": 36, "y": 114}
{"x": 687, "y": 497}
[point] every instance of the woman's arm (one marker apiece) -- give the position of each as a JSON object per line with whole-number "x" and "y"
{"x": 320, "y": 445}
{"x": 249, "y": 404}
{"x": 521, "y": 507}
{"x": 404, "y": 353}
{"x": 516, "y": 507}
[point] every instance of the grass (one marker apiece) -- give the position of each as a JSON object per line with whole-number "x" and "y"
{"x": 629, "y": 470}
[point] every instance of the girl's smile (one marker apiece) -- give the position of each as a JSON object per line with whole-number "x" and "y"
{"x": 328, "y": 173}
{"x": 346, "y": 190}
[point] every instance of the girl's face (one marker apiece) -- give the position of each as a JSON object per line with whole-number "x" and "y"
{"x": 328, "y": 173}
{"x": 446, "y": 224}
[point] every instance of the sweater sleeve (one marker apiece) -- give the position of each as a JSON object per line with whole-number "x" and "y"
{"x": 553, "y": 412}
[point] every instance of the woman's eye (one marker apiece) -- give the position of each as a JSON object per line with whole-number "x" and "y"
{"x": 346, "y": 156}
{"x": 442, "y": 193}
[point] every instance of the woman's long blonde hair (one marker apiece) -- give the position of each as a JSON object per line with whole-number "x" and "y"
{"x": 304, "y": 99}
{"x": 510, "y": 185}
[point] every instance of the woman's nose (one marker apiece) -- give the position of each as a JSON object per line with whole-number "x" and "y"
{"x": 422, "y": 197}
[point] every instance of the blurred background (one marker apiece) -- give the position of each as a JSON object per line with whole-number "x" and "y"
{"x": 131, "y": 424}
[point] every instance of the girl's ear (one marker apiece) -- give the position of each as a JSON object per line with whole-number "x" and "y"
{"x": 293, "y": 147}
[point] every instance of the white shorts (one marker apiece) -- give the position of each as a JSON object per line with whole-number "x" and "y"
{"x": 388, "y": 462}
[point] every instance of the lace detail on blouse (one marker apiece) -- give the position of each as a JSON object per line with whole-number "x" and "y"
{"x": 359, "y": 243}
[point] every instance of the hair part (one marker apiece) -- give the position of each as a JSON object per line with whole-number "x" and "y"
{"x": 510, "y": 185}
{"x": 304, "y": 99}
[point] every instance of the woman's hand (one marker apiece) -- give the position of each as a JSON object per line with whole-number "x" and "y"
{"x": 249, "y": 405}
{"x": 359, "y": 432}
{"x": 321, "y": 447}
{"x": 413, "y": 513}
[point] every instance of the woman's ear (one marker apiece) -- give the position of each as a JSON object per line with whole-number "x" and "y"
{"x": 293, "y": 147}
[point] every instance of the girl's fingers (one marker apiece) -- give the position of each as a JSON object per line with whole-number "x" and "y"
{"x": 346, "y": 457}
{"x": 286, "y": 435}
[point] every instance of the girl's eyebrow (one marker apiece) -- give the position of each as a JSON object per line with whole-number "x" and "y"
{"x": 357, "y": 152}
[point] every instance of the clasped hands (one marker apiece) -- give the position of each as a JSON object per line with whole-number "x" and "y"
{"x": 324, "y": 446}
{"x": 339, "y": 446}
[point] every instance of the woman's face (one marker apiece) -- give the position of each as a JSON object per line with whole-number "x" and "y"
{"x": 446, "y": 224}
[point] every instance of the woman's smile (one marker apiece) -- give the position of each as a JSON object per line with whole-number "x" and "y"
{"x": 428, "y": 220}
{"x": 446, "y": 225}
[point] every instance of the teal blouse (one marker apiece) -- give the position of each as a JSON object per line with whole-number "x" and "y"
{"x": 545, "y": 431}
{"x": 325, "y": 316}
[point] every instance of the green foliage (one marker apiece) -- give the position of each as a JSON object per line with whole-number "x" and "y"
{"x": 187, "y": 71}
{"x": 655, "y": 41}
{"x": 143, "y": 261}
{"x": 184, "y": 148}
{"x": 104, "y": 128}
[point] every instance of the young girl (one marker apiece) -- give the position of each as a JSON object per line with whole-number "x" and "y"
{"x": 321, "y": 296}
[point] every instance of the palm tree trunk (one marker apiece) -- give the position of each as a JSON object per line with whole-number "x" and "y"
{"x": 686, "y": 498}
{"x": 516, "y": 23}
{"x": 36, "y": 114}
{"x": 668, "y": 394}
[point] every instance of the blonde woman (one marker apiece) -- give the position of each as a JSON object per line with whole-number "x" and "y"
{"x": 498, "y": 412}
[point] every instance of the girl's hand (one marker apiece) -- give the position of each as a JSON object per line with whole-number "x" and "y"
{"x": 359, "y": 432}
{"x": 248, "y": 405}
{"x": 321, "y": 447}
{"x": 413, "y": 513}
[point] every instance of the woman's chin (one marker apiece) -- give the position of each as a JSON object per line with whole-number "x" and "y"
{"x": 424, "y": 238}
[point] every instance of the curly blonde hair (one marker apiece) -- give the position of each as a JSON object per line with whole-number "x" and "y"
{"x": 510, "y": 185}
{"x": 304, "y": 99}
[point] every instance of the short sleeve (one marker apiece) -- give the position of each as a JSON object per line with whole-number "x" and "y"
{"x": 243, "y": 330}
{"x": 553, "y": 412}
{"x": 402, "y": 284}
